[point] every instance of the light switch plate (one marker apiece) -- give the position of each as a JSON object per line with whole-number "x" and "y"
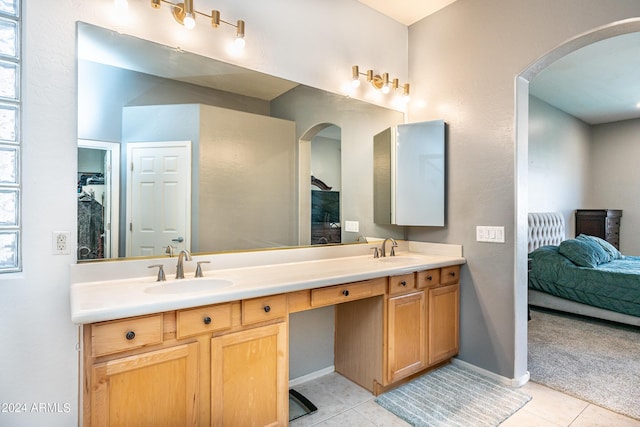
{"x": 485, "y": 233}
{"x": 353, "y": 226}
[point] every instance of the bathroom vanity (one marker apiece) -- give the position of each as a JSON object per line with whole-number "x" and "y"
{"x": 220, "y": 357}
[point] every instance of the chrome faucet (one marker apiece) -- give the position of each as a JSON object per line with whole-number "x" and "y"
{"x": 184, "y": 255}
{"x": 393, "y": 246}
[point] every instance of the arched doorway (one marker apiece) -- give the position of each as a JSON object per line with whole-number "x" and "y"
{"x": 319, "y": 178}
{"x": 521, "y": 164}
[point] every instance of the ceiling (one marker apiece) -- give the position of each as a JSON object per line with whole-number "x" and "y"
{"x": 407, "y": 12}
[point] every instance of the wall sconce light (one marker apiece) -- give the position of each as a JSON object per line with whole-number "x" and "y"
{"x": 185, "y": 14}
{"x": 381, "y": 82}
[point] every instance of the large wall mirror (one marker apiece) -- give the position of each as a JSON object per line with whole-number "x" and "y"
{"x": 183, "y": 150}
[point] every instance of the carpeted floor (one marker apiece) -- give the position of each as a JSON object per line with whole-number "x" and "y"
{"x": 594, "y": 361}
{"x": 453, "y": 396}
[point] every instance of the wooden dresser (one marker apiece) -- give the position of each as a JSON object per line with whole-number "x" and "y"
{"x": 603, "y": 223}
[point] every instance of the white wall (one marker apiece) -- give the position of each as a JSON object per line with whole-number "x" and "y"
{"x": 39, "y": 361}
{"x": 616, "y": 177}
{"x": 463, "y": 61}
{"x": 559, "y": 162}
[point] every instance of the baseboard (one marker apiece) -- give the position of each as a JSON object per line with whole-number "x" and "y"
{"x": 512, "y": 382}
{"x": 311, "y": 376}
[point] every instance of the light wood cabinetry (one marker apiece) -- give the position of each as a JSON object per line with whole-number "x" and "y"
{"x": 227, "y": 364}
{"x": 153, "y": 388}
{"x": 405, "y": 335}
{"x": 191, "y": 367}
{"x": 249, "y": 377}
{"x": 443, "y": 313}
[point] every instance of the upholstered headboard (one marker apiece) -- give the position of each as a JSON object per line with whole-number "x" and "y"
{"x": 545, "y": 228}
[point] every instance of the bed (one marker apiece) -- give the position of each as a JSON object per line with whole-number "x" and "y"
{"x": 585, "y": 275}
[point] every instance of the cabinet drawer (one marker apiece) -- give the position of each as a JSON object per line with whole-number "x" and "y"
{"x": 450, "y": 274}
{"x": 347, "y": 292}
{"x": 262, "y": 309}
{"x": 428, "y": 278}
{"x": 200, "y": 320}
{"x": 120, "y": 335}
{"x": 402, "y": 284}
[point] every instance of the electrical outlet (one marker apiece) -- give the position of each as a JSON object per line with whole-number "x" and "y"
{"x": 61, "y": 242}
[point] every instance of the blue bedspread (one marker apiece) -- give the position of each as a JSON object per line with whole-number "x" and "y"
{"x": 614, "y": 285}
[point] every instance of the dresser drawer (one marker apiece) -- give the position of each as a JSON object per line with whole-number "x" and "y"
{"x": 200, "y": 320}
{"x": 262, "y": 309}
{"x": 347, "y": 292}
{"x": 450, "y": 274}
{"x": 428, "y": 278}
{"x": 402, "y": 284}
{"x": 120, "y": 335}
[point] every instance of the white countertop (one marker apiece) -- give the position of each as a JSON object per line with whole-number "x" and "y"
{"x": 108, "y": 298}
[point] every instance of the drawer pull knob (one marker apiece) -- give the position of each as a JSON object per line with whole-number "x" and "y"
{"x": 429, "y": 278}
{"x": 345, "y": 293}
{"x": 452, "y": 274}
{"x": 130, "y": 335}
{"x": 267, "y": 309}
{"x": 207, "y": 320}
{"x": 403, "y": 283}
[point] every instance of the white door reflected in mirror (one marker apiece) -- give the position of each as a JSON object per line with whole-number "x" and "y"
{"x": 158, "y": 197}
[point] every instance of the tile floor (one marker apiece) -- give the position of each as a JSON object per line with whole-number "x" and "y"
{"x": 343, "y": 403}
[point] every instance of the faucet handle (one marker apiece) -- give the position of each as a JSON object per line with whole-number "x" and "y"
{"x": 394, "y": 245}
{"x": 169, "y": 251}
{"x": 376, "y": 252}
{"x": 199, "y": 268}
{"x": 161, "y": 276}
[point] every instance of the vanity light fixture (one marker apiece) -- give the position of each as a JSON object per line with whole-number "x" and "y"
{"x": 185, "y": 14}
{"x": 381, "y": 82}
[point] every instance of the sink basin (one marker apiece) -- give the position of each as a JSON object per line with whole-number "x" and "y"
{"x": 400, "y": 259}
{"x": 182, "y": 286}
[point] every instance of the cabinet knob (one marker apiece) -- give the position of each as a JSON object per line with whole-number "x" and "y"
{"x": 429, "y": 278}
{"x": 267, "y": 309}
{"x": 403, "y": 283}
{"x": 130, "y": 335}
{"x": 345, "y": 293}
{"x": 207, "y": 320}
{"x": 452, "y": 274}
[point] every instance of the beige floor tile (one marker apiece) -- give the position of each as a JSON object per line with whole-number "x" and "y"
{"x": 379, "y": 416}
{"x": 595, "y": 416}
{"x": 351, "y": 418}
{"x": 332, "y": 394}
{"x": 552, "y": 405}
{"x": 524, "y": 418}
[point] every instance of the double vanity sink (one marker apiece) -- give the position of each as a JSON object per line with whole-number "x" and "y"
{"x": 127, "y": 289}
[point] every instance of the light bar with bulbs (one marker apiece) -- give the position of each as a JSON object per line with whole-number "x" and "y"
{"x": 378, "y": 81}
{"x": 185, "y": 14}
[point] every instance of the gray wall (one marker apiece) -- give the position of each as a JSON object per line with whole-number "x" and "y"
{"x": 615, "y": 177}
{"x": 559, "y": 162}
{"x": 463, "y": 61}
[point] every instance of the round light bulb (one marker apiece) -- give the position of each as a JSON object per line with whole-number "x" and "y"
{"x": 240, "y": 43}
{"x": 355, "y": 83}
{"x": 385, "y": 89}
{"x": 189, "y": 21}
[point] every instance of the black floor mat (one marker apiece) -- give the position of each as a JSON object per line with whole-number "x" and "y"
{"x": 299, "y": 405}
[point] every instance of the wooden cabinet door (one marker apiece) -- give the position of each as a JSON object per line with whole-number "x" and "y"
{"x": 443, "y": 321}
{"x": 405, "y": 335}
{"x": 249, "y": 377}
{"x": 156, "y": 388}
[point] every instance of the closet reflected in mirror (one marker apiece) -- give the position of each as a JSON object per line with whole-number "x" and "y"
{"x": 98, "y": 192}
